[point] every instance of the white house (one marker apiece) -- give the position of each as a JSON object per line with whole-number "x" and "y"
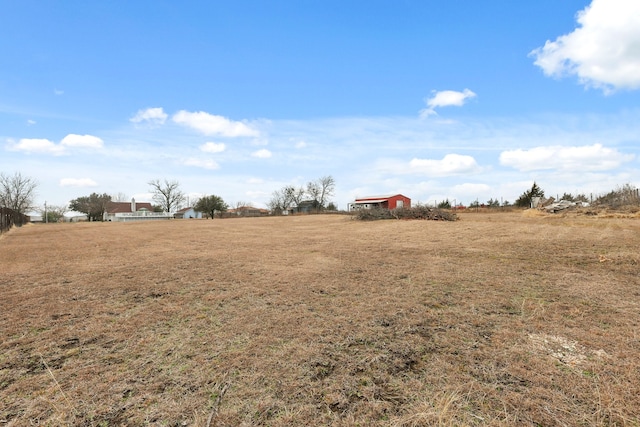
{"x": 187, "y": 213}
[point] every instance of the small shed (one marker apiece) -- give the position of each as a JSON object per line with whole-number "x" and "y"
{"x": 187, "y": 213}
{"x": 394, "y": 201}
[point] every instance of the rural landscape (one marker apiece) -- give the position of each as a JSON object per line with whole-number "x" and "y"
{"x": 498, "y": 318}
{"x": 320, "y": 213}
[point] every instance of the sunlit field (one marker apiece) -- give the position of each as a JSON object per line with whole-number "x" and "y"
{"x": 496, "y": 319}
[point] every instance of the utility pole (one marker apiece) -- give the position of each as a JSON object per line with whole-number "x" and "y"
{"x": 46, "y": 217}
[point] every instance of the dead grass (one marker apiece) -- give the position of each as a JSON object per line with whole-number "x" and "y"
{"x": 496, "y": 319}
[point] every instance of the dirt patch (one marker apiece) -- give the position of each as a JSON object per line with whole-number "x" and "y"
{"x": 495, "y": 319}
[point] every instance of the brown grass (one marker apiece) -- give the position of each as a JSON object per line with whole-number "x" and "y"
{"x": 496, "y": 319}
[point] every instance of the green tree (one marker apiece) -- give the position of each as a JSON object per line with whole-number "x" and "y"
{"x": 53, "y": 213}
{"x": 445, "y": 204}
{"x": 94, "y": 205}
{"x": 493, "y": 203}
{"x": 524, "y": 201}
{"x": 210, "y": 205}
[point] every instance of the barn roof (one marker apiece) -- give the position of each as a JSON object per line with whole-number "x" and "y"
{"x": 372, "y": 200}
{"x": 377, "y": 199}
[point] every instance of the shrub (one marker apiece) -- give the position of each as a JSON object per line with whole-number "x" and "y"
{"x": 418, "y": 212}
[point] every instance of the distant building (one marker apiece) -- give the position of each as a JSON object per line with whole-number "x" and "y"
{"x": 246, "y": 211}
{"x": 395, "y": 201}
{"x": 306, "y": 206}
{"x": 35, "y": 217}
{"x": 133, "y": 211}
{"x": 187, "y": 213}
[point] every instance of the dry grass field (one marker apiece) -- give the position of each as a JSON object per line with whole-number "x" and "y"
{"x": 497, "y": 319}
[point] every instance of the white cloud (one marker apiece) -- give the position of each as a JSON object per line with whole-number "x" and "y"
{"x": 77, "y": 182}
{"x": 451, "y": 164}
{"x": 262, "y": 154}
{"x": 155, "y": 116}
{"x": 585, "y": 158}
{"x": 84, "y": 141}
{"x": 36, "y": 145}
{"x": 213, "y": 147}
{"x": 201, "y": 163}
{"x": 58, "y": 92}
{"x": 31, "y": 122}
{"x": 300, "y": 144}
{"x": 45, "y": 146}
{"x": 210, "y": 124}
{"x": 446, "y": 98}
{"x": 603, "y": 52}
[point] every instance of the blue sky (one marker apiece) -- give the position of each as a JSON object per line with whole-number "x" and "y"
{"x": 461, "y": 99}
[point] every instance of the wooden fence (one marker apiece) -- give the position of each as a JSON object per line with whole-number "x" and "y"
{"x": 9, "y": 218}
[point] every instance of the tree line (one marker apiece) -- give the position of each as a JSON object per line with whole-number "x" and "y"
{"x": 167, "y": 195}
{"x": 315, "y": 197}
{"x": 18, "y": 192}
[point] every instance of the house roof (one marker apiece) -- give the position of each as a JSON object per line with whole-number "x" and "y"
{"x": 122, "y": 207}
{"x": 183, "y": 210}
{"x": 371, "y": 200}
{"x": 377, "y": 199}
{"x": 246, "y": 209}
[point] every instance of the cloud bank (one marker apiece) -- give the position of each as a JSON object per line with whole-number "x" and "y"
{"x": 46, "y": 146}
{"x": 603, "y": 52}
{"x": 209, "y": 124}
{"x": 585, "y": 158}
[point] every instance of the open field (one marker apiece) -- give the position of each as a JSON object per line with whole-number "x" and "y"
{"x": 496, "y": 319}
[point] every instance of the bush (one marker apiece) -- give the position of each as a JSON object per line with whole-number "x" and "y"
{"x": 418, "y": 212}
{"x": 627, "y": 195}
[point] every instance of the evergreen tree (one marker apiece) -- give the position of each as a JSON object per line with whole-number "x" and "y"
{"x": 524, "y": 201}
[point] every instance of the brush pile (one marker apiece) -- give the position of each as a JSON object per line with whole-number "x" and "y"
{"x": 417, "y": 212}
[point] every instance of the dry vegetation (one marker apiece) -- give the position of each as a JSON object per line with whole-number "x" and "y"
{"x": 495, "y": 319}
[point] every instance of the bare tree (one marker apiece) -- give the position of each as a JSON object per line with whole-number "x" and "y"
{"x": 167, "y": 194}
{"x": 296, "y": 195}
{"x": 53, "y": 213}
{"x": 321, "y": 191}
{"x": 327, "y": 187}
{"x": 17, "y": 192}
{"x": 120, "y": 197}
{"x": 277, "y": 204}
{"x": 241, "y": 204}
{"x": 281, "y": 200}
{"x": 314, "y": 191}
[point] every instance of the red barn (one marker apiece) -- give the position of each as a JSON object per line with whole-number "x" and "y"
{"x": 382, "y": 202}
